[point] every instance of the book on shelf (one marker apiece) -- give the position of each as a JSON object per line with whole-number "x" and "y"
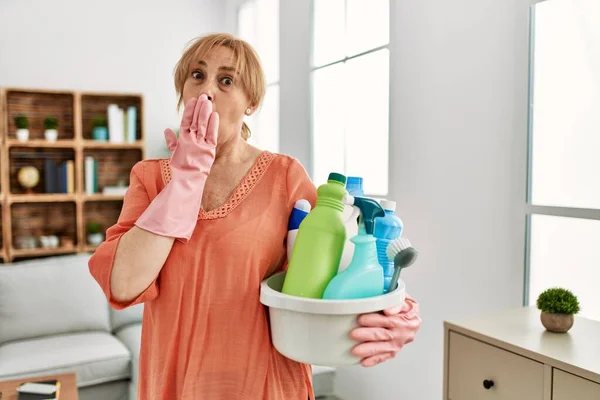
{"x": 122, "y": 124}
{"x": 91, "y": 175}
{"x": 59, "y": 177}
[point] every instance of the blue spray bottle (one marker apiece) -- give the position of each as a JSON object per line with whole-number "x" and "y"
{"x": 299, "y": 212}
{"x": 364, "y": 276}
{"x": 387, "y": 229}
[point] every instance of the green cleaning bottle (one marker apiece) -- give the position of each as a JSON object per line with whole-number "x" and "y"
{"x": 364, "y": 276}
{"x": 316, "y": 254}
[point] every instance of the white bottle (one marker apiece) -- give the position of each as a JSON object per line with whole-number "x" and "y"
{"x": 354, "y": 185}
{"x": 350, "y": 215}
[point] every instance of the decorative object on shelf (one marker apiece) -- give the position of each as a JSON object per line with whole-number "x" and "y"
{"x": 99, "y": 128}
{"x": 95, "y": 236}
{"x": 66, "y": 242}
{"x": 26, "y": 242}
{"x": 118, "y": 190}
{"x": 51, "y": 125}
{"x": 558, "y": 306}
{"x": 49, "y": 241}
{"x": 28, "y": 177}
{"x": 22, "y": 124}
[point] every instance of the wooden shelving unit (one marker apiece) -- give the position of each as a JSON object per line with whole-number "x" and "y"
{"x": 27, "y": 216}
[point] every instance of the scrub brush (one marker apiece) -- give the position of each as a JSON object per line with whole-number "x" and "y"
{"x": 401, "y": 252}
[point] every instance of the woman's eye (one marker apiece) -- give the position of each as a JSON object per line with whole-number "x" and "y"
{"x": 227, "y": 81}
{"x": 197, "y": 75}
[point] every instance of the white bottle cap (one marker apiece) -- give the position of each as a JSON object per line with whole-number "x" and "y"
{"x": 388, "y": 204}
{"x": 348, "y": 200}
{"x": 303, "y": 205}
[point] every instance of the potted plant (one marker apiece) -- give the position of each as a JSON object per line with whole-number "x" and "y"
{"x": 50, "y": 124}
{"x": 99, "y": 128}
{"x": 558, "y": 307}
{"x": 22, "y": 124}
{"x": 94, "y": 233}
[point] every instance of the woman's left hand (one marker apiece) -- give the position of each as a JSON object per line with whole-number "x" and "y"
{"x": 381, "y": 336}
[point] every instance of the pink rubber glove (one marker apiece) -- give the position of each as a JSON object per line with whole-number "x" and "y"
{"x": 174, "y": 211}
{"x": 383, "y": 335}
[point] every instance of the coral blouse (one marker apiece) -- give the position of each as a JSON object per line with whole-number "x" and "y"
{"x": 205, "y": 334}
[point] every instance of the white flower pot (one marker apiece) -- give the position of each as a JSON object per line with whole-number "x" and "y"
{"x": 22, "y": 135}
{"x": 95, "y": 239}
{"x": 51, "y": 135}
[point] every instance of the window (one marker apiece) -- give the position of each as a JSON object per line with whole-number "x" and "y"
{"x": 350, "y": 91}
{"x": 258, "y": 24}
{"x": 563, "y": 205}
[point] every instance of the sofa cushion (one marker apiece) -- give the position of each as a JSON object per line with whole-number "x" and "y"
{"x": 126, "y": 316}
{"x": 50, "y": 296}
{"x": 95, "y": 357}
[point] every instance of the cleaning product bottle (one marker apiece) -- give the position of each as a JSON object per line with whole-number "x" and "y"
{"x": 387, "y": 228}
{"x": 318, "y": 248}
{"x": 364, "y": 276}
{"x": 299, "y": 212}
{"x": 354, "y": 186}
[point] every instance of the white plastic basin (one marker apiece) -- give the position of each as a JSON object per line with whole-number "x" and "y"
{"x": 316, "y": 331}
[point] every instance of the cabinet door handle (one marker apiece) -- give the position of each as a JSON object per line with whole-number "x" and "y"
{"x": 488, "y": 384}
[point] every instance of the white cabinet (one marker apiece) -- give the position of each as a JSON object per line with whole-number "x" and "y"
{"x": 510, "y": 356}
{"x": 567, "y": 386}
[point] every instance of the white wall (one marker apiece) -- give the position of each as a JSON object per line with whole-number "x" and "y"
{"x": 111, "y": 45}
{"x": 458, "y": 167}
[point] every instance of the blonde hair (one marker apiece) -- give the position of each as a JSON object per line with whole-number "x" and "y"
{"x": 248, "y": 66}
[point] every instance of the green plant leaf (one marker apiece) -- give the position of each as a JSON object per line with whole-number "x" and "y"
{"x": 21, "y": 122}
{"x": 558, "y": 301}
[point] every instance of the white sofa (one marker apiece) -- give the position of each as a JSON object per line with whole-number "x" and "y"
{"x": 54, "y": 318}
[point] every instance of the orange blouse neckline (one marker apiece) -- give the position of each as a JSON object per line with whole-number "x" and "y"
{"x": 241, "y": 191}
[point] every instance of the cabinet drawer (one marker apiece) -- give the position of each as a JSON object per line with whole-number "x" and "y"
{"x": 567, "y": 386}
{"x": 473, "y": 366}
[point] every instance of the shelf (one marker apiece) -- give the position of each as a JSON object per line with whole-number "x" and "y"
{"x": 42, "y": 252}
{"x": 96, "y": 144}
{"x": 37, "y": 143}
{"x": 58, "y": 204}
{"x": 40, "y": 198}
{"x": 36, "y": 106}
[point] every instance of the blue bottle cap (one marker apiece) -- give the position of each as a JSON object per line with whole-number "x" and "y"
{"x": 354, "y": 183}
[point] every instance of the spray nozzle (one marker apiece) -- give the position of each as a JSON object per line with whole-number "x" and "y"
{"x": 369, "y": 210}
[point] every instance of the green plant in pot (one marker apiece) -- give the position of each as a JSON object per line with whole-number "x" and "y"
{"x": 99, "y": 128}
{"x": 51, "y": 125}
{"x": 558, "y": 307}
{"x": 95, "y": 235}
{"x": 22, "y": 125}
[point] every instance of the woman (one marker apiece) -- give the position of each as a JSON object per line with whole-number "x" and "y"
{"x": 199, "y": 232}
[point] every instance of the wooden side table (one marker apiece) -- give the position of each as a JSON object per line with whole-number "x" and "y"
{"x": 68, "y": 386}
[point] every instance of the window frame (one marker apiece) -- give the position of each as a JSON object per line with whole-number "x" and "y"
{"x": 532, "y": 209}
{"x": 345, "y": 59}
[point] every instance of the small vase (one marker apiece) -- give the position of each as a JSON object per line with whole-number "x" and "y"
{"x": 22, "y": 135}
{"x": 100, "y": 133}
{"x": 51, "y": 135}
{"x": 95, "y": 239}
{"x": 558, "y": 323}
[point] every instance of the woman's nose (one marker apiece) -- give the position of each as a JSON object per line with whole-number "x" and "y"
{"x": 209, "y": 97}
